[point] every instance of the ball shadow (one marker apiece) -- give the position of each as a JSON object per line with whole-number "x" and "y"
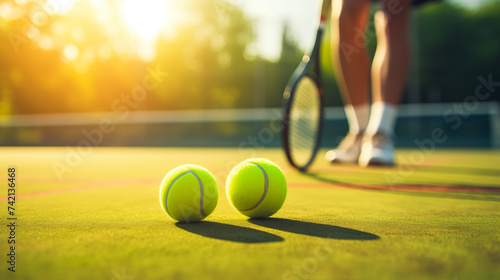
{"x": 229, "y": 232}
{"x": 314, "y": 229}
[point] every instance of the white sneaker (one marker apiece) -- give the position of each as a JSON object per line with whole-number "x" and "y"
{"x": 348, "y": 150}
{"x": 377, "y": 150}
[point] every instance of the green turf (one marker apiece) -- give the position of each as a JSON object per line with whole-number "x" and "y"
{"x": 103, "y": 219}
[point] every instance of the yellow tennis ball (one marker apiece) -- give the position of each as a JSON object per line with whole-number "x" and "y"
{"x": 189, "y": 193}
{"x": 256, "y": 188}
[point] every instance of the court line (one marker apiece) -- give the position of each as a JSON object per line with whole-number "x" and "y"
{"x": 94, "y": 186}
{"x": 154, "y": 181}
{"x": 426, "y": 188}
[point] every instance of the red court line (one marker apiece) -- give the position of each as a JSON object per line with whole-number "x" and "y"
{"x": 426, "y": 188}
{"x": 153, "y": 181}
{"x": 94, "y": 186}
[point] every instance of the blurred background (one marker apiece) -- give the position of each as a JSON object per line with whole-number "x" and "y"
{"x": 212, "y": 72}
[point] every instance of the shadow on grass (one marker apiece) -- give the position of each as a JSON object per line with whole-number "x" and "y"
{"x": 229, "y": 232}
{"x": 492, "y": 172}
{"x": 314, "y": 229}
{"x": 492, "y": 195}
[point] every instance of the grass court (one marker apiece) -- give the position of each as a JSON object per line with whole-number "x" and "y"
{"x": 101, "y": 219}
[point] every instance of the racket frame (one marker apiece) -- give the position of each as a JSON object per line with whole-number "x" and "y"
{"x": 309, "y": 60}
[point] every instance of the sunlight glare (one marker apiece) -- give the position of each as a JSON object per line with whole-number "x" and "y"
{"x": 144, "y": 17}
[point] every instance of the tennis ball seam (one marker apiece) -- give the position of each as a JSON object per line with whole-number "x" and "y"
{"x": 202, "y": 212}
{"x": 266, "y": 186}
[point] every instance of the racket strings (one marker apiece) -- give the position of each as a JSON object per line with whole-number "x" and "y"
{"x": 304, "y": 121}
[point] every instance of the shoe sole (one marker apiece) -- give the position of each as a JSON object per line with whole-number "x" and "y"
{"x": 376, "y": 162}
{"x": 337, "y": 161}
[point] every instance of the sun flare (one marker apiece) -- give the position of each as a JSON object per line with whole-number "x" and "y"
{"x": 145, "y": 17}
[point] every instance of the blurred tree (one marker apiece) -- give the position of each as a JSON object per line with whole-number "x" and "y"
{"x": 83, "y": 59}
{"x": 456, "y": 46}
{"x": 206, "y": 60}
{"x": 56, "y": 63}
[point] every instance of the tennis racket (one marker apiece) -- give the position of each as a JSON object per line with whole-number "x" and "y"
{"x": 304, "y": 105}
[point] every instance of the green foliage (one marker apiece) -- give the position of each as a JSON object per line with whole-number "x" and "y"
{"x": 457, "y": 45}
{"x": 210, "y": 61}
{"x": 206, "y": 60}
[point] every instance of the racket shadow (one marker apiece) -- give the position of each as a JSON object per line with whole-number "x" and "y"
{"x": 229, "y": 232}
{"x": 493, "y": 193}
{"x": 314, "y": 229}
{"x": 492, "y": 172}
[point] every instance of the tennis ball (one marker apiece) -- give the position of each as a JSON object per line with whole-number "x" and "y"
{"x": 189, "y": 193}
{"x": 256, "y": 188}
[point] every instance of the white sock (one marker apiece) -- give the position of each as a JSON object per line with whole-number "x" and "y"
{"x": 382, "y": 118}
{"x": 363, "y": 115}
{"x": 357, "y": 117}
